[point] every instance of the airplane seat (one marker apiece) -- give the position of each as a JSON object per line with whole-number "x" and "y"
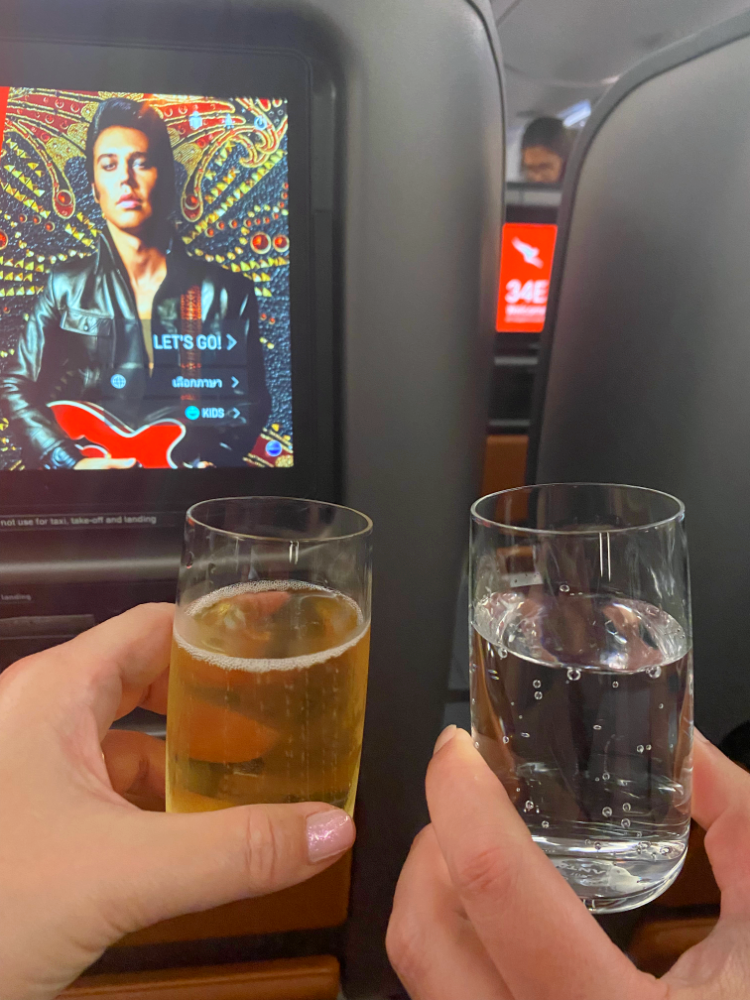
{"x": 384, "y": 332}
{"x": 643, "y": 367}
{"x": 644, "y": 357}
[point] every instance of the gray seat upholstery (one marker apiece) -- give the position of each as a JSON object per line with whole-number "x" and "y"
{"x": 645, "y": 367}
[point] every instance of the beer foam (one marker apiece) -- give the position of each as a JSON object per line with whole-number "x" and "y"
{"x": 225, "y": 662}
{"x": 257, "y": 587}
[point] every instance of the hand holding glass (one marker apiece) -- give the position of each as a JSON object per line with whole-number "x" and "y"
{"x": 269, "y": 658}
{"x": 581, "y": 678}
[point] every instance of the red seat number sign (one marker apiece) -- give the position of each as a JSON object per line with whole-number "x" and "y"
{"x": 525, "y": 268}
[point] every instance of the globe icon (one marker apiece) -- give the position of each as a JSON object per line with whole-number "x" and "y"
{"x": 118, "y": 381}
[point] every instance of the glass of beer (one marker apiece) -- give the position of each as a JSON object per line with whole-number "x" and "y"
{"x": 582, "y": 678}
{"x": 268, "y": 675}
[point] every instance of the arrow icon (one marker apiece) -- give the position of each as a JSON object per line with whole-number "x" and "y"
{"x": 235, "y": 382}
{"x": 231, "y": 342}
{"x": 234, "y": 413}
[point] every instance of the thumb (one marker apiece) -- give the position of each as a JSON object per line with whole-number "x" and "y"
{"x": 166, "y": 865}
{"x": 721, "y": 805}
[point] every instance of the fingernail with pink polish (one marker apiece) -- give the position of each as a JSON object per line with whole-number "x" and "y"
{"x": 328, "y": 833}
{"x": 445, "y": 737}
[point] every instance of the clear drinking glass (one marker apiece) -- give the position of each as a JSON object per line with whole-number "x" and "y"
{"x": 271, "y": 639}
{"x": 582, "y": 679}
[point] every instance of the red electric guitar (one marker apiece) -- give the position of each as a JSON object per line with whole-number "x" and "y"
{"x": 99, "y": 434}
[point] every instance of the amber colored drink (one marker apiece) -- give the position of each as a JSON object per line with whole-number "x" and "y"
{"x": 266, "y": 698}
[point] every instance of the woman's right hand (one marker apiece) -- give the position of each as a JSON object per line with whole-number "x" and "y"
{"x": 481, "y": 912}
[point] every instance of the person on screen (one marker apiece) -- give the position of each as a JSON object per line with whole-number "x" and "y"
{"x": 544, "y": 151}
{"x": 120, "y": 329}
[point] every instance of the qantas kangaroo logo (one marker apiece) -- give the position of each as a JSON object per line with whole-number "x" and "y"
{"x": 529, "y": 253}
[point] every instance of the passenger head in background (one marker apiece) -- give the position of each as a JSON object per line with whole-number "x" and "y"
{"x": 544, "y": 151}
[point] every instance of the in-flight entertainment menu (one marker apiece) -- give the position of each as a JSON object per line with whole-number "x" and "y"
{"x": 144, "y": 281}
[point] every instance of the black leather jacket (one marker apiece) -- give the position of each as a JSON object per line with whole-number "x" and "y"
{"x": 84, "y": 342}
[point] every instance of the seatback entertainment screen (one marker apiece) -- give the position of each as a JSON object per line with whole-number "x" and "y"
{"x": 144, "y": 281}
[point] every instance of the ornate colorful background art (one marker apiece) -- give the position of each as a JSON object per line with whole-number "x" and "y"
{"x": 232, "y": 193}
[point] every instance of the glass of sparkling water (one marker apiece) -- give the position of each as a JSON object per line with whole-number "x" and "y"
{"x": 582, "y": 678}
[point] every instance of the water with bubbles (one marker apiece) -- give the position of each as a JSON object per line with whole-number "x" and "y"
{"x": 582, "y": 705}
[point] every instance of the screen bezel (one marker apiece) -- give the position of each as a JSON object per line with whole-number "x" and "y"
{"x": 214, "y": 71}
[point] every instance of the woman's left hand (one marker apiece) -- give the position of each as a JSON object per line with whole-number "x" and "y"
{"x": 80, "y": 865}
